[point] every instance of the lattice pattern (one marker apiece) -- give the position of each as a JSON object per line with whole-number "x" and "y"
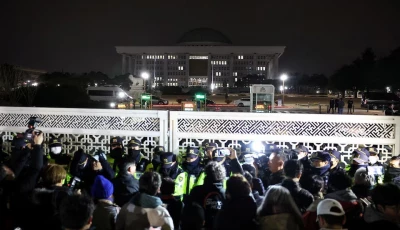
{"x": 287, "y": 128}
{"x": 345, "y": 149}
{"x": 89, "y": 143}
{"x": 83, "y": 122}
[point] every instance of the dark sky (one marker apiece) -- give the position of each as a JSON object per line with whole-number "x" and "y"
{"x": 80, "y": 35}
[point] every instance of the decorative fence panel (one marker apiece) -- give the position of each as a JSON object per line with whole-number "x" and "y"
{"x": 89, "y": 129}
{"x": 317, "y": 132}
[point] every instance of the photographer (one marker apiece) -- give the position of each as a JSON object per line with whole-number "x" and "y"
{"x": 87, "y": 167}
{"x": 28, "y": 165}
{"x": 227, "y": 157}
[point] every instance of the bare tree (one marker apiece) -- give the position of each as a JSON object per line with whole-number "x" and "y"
{"x": 29, "y": 93}
{"x": 10, "y": 80}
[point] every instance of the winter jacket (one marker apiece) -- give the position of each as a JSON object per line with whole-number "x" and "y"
{"x": 257, "y": 198}
{"x": 373, "y": 219}
{"x": 232, "y": 166}
{"x": 142, "y": 212}
{"x": 174, "y": 207}
{"x": 125, "y": 187}
{"x": 301, "y": 197}
{"x": 237, "y": 214}
{"x": 105, "y": 215}
{"x": 274, "y": 178}
{"x": 310, "y": 215}
{"x": 43, "y": 208}
{"x": 258, "y": 186}
{"x": 350, "y": 204}
{"x": 283, "y": 221}
{"x": 361, "y": 190}
{"x": 211, "y": 196}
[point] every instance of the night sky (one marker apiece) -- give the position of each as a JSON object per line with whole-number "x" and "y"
{"x": 81, "y": 35}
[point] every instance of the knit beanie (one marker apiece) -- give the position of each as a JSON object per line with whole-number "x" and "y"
{"x": 102, "y": 188}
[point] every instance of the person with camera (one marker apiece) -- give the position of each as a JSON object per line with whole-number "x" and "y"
{"x": 84, "y": 169}
{"x": 26, "y": 167}
{"x": 227, "y": 157}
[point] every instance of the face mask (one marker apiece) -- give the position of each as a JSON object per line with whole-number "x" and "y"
{"x": 373, "y": 159}
{"x": 56, "y": 150}
{"x": 133, "y": 153}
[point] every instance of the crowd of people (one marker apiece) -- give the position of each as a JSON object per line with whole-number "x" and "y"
{"x": 207, "y": 188}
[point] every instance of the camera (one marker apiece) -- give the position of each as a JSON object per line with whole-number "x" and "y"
{"x": 224, "y": 151}
{"x": 33, "y": 121}
{"x": 74, "y": 184}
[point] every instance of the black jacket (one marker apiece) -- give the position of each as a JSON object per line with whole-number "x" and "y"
{"x": 125, "y": 187}
{"x": 43, "y": 207}
{"x": 29, "y": 165}
{"x": 232, "y": 166}
{"x": 237, "y": 214}
{"x": 211, "y": 197}
{"x": 273, "y": 178}
{"x": 174, "y": 207}
{"x": 301, "y": 197}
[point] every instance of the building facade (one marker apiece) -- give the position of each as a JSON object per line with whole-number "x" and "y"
{"x": 202, "y": 57}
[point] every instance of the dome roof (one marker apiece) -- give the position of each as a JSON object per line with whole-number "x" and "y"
{"x": 204, "y": 36}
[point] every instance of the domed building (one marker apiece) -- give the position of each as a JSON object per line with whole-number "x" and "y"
{"x": 201, "y": 57}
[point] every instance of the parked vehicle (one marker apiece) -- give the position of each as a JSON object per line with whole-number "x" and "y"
{"x": 158, "y": 101}
{"x": 377, "y": 100}
{"x": 109, "y": 93}
{"x": 242, "y": 102}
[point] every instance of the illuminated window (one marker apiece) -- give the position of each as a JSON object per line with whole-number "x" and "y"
{"x": 235, "y": 79}
{"x": 198, "y": 57}
{"x": 234, "y": 73}
{"x": 218, "y": 74}
{"x": 180, "y": 67}
{"x": 240, "y": 57}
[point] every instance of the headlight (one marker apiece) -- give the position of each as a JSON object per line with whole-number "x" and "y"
{"x": 121, "y": 94}
{"x": 112, "y": 105}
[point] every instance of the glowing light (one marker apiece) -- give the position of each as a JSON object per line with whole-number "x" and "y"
{"x": 121, "y": 94}
{"x": 34, "y": 84}
{"x": 112, "y": 105}
{"x": 258, "y": 146}
{"x": 284, "y": 77}
{"x": 145, "y": 75}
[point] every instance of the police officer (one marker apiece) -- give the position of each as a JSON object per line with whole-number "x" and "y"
{"x": 169, "y": 167}
{"x": 359, "y": 159}
{"x": 135, "y": 154}
{"x": 376, "y": 167}
{"x": 320, "y": 166}
{"x": 116, "y": 151}
{"x": 301, "y": 154}
{"x": 55, "y": 150}
{"x": 336, "y": 164}
{"x": 192, "y": 168}
{"x": 156, "y": 160}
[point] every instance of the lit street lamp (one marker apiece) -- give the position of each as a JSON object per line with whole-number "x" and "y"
{"x": 284, "y": 77}
{"x": 145, "y": 76}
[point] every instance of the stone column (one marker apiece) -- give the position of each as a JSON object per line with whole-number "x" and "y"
{"x": 231, "y": 79}
{"x": 123, "y": 64}
{"x": 130, "y": 70}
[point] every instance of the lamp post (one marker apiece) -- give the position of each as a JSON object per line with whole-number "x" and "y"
{"x": 145, "y": 76}
{"x": 283, "y": 79}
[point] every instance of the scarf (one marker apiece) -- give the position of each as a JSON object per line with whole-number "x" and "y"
{"x": 322, "y": 170}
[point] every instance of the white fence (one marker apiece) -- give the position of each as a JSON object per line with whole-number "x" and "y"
{"x": 89, "y": 129}
{"x": 315, "y": 131}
